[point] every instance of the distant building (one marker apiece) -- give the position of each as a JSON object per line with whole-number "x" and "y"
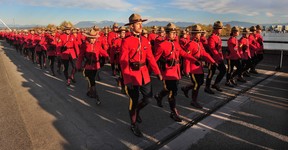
{"x": 286, "y": 28}
{"x": 279, "y": 28}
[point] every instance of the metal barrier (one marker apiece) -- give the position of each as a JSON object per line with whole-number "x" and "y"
{"x": 277, "y": 48}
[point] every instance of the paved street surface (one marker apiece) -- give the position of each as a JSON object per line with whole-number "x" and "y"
{"x": 38, "y": 111}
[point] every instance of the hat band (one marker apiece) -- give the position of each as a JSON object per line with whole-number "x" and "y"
{"x": 136, "y": 20}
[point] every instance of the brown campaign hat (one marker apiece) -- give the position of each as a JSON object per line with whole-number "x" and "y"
{"x": 235, "y": 28}
{"x": 144, "y": 31}
{"x": 67, "y": 26}
{"x": 154, "y": 27}
{"x": 183, "y": 32}
{"x": 74, "y": 30}
{"x": 96, "y": 28}
{"x": 115, "y": 25}
{"x": 91, "y": 34}
{"x": 258, "y": 27}
{"x": 245, "y": 31}
{"x": 170, "y": 27}
{"x": 135, "y": 18}
{"x": 161, "y": 29}
{"x": 122, "y": 28}
{"x": 252, "y": 28}
{"x": 218, "y": 25}
{"x": 196, "y": 29}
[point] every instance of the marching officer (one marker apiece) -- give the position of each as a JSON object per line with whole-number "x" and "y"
{"x": 115, "y": 51}
{"x": 152, "y": 36}
{"x": 245, "y": 52}
{"x": 31, "y": 43}
{"x": 259, "y": 39}
{"x": 195, "y": 48}
{"x": 51, "y": 47}
{"x": 90, "y": 53}
{"x": 111, "y": 37}
{"x": 215, "y": 50}
{"x": 170, "y": 52}
{"x": 185, "y": 65}
{"x": 104, "y": 44}
{"x": 145, "y": 33}
{"x": 233, "y": 58}
{"x": 69, "y": 52}
{"x": 135, "y": 52}
{"x": 40, "y": 48}
{"x": 254, "y": 46}
{"x": 159, "y": 39}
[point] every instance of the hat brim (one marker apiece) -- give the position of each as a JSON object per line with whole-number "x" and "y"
{"x": 223, "y": 27}
{"x": 197, "y": 31}
{"x": 142, "y": 20}
{"x": 67, "y": 28}
{"x": 90, "y": 36}
{"x": 121, "y": 31}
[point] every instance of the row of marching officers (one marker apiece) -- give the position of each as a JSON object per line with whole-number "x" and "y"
{"x": 134, "y": 54}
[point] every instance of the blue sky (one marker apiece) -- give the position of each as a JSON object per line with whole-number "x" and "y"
{"x": 43, "y": 12}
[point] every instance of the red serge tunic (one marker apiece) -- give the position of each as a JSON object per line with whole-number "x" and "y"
{"x": 51, "y": 45}
{"x": 253, "y": 44}
{"x": 116, "y": 48}
{"x": 197, "y": 50}
{"x": 244, "y": 42}
{"x": 233, "y": 46}
{"x": 171, "y": 51}
{"x": 71, "y": 44}
{"x": 90, "y": 53}
{"x": 215, "y": 47}
{"x": 259, "y": 39}
{"x": 137, "y": 50}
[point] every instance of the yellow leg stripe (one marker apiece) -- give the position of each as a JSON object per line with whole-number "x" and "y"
{"x": 130, "y": 99}
{"x": 83, "y": 72}
{"x": 89, "y": 85}
{"x": 229, "y": 65}
{"x": 195, "y": 81}
{"x": 164, "y": 85}
{"x": 209, "y": 71}
{"x": 170, "y": 94}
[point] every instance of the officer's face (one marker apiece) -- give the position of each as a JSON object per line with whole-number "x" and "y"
{"x": 67, "y": 31}
{"x": 236, "y": 33}
{"x": 172, "y": 35}
{"x": 115, "y": 29}
{"x": 92, "y": 40}
{"x": 198, "y": 35}
{"x": 218, "y": 31}
{"x": 245, "y": 35}
{"x": 137, "y": 27}
{"x": 122, "y": 34}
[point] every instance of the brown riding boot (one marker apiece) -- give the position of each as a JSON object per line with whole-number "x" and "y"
{"x": 174, "y": 113}
{"x": 159, "y": 97}
{"x": 194, "y": 102}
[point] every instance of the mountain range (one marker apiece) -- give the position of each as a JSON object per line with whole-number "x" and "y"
{"x": 87, "y": 24}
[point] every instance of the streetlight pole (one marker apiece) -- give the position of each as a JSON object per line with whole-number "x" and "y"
{"x": 5, "y": 24}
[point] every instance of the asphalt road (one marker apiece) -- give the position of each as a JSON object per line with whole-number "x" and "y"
{"x": 38, "y": 111}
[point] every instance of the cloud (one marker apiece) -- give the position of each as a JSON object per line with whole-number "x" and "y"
{"x": 269, "y": 14}
{"x": 141, "y": 9}
{"x": 83, "y": 4}
{"x": 158, "y": 19}
{"x": 243, "y": 7}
